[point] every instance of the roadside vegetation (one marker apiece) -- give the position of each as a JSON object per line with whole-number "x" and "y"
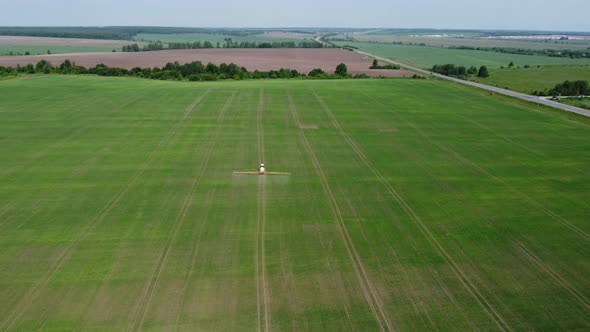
{"x": 460, "y": 71}
{"x": 582, "y": 102}
{"x": 376, "y": 65}
{"x": 529, "y": 72}
{"x": 569, "y": 88}
{"x": 531, "y": 79}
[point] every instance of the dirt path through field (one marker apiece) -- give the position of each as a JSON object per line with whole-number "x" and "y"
{"x": 260, "y": 226}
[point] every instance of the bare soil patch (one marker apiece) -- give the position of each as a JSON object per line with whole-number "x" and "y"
{"x": 302, "y": 60}
{"x": 387, "y": 130}
{"x": 309, "y": 126}
{"x": 74, "y": 42}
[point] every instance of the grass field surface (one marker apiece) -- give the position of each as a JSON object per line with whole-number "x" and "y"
{"x": 40, "y": 45}
{"x": 40, "y": 50}
{"x": 583, "y": 103}
{"x": 426, "y": 57}
{"x": 410, "y": 205}
{"x": 527, "y": 80}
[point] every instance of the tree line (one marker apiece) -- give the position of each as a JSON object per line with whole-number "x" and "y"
{"x": 194, "y": 71}
{"x": 376, "y": 65}
{"x": 460, "y": 71}
{"x": 119, "y": 33}
{"x": 567, "y": 88}
{"x": 155, "y": 46}
{"x": 228, "y": 43}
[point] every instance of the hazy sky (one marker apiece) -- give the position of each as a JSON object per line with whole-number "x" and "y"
{"x": 495, "y": 14}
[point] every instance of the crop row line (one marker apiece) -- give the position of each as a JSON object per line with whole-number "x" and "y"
{"x": 360, "y": 271}
{"x": 28, "y": 299}
{"x": 501, "y": 230}
{"x": 472, "y": 288}
{"x": 154, "y": 281}
{"x": 260, "y": 226}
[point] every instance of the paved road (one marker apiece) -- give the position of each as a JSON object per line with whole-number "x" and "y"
{"x": 534, "y": 99}
{"x": 518, "y": 95}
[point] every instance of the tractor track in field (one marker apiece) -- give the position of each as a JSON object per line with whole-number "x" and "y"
{"x": 528, "y": 108}
{"x": 417, "y": 305}
{"x": 85, "y": 165}
{"x": 481, "y": 170}
{"x": 154, "y": 280}
{"x": 329, "y": 263}
{"x": 260, "y": 256}
{"x": 498, "y": 228}
{"x": 61, "y": 142}
{"x": 257, "y": 262}
{"x": 502, "y": 231}
{"x": 42, "y": 153}
{"x": 467, "y": 283}
{"x": 194, "y": 254}
{"x": 362, "y": 276}
{"x": 31, "y": 207}
{"x": 31, "y": 295}
{"x": 507, "y": 139}
{"x": 171, "y": 143}
{"x": 6, "y": 208}
{"x": 579, "y": 231}
{"x": 523, "y": 147}
{"x": 71, "y": 113}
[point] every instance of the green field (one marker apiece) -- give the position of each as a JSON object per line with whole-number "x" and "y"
{"x": 411, "y": 205}
{"x": 472, "y": 41}
{"x": 426, "y": 57}
{"x": 39, "y": 50}
{"x": 527, "y": 80}
{"x": 583, "y": 103}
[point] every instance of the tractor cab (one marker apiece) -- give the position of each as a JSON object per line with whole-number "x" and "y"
{"x": 261, "y": 169}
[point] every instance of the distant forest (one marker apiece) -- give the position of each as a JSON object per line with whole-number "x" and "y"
{"x": 228, "y": 43}
{"x": 126, "y": 33}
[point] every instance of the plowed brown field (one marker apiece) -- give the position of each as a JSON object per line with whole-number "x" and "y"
{"x": 303, "y": 60}
{"x": 73, "y": 42}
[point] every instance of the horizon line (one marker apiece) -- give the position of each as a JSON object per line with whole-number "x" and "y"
{"x": 293, "y": 27}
